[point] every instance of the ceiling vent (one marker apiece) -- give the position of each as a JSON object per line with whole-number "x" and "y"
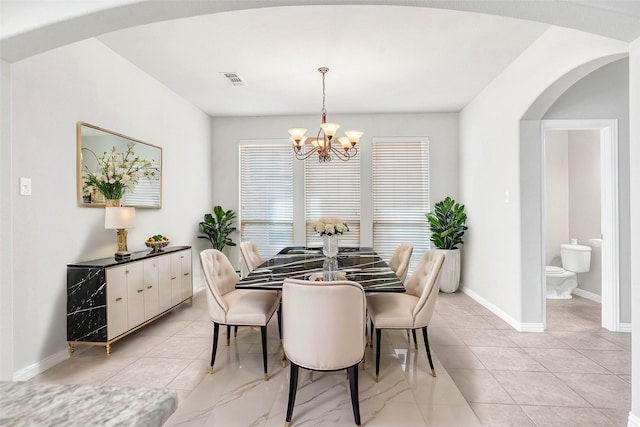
{"x": 234, "y": 79}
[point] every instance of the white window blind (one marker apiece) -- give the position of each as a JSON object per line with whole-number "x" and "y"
{"x": 400, "y": 196}
{"x": 146, "y": 191}
{"x": 266, "y": 196}
{"x": 332, "y": 189}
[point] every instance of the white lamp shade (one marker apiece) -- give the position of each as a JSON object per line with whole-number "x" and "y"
{"x": 119, "y": 217}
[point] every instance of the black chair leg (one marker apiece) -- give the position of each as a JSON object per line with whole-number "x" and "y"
{"x": 228, "y": 335}
{"x": 235, "y": 331}
{"x": 426, "y": 345}
{"x": 353, "y": 386}
{"x": 216, "y": 329}
{"x": 293, "y": 388}
{"x": 371, "y": 333}
{"x": 415, "y": 342}
{"x": 378, "y": 336}
{"x": 280, "y": 321}
{"x": 263, "y": 333}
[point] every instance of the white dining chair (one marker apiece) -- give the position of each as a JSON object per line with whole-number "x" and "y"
{"x": 250, "y": 256}
{"x": 410, "y": 310}
{"x": 400, "y": 259}
{"x": 234, "y": 307}
{"x": 323, "y": 330}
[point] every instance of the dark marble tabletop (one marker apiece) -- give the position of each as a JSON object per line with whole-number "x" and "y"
{"x": 362, "y": 265}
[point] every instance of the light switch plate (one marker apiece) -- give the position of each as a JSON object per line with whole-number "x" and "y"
{"x": 25, "y": 186}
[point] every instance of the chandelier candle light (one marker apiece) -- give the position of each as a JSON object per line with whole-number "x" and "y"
{"x": 321, "y": 144}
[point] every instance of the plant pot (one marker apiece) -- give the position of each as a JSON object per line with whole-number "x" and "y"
{"x": 449, "y": 278}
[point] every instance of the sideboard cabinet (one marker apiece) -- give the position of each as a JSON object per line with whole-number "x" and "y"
{"x": 108, "y": 299}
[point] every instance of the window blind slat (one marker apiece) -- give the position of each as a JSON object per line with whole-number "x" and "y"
{"x": 266, "y": 196}
{"x": 400, "y": 197}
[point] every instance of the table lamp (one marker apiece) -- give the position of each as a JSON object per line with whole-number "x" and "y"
{"x": 120, "y": 218}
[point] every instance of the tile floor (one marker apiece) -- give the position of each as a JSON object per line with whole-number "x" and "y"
{"x": 575, "y": 374}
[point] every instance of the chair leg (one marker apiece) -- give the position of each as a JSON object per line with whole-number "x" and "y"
{"x": 371, "y": 333}
{"x": 378, "y": 336}
{"x": 282, "y": 355}
{"x": 228, "y": 335}
{"x": 426, "y": 345}
{"x": 216, "y": 329}
{"x": 293, "y": 388}
{"x": 415, "y": 342}
{"x": 353, "y": 386}
{"x": 235, "y": 331}
{"x": 263, "y": 333}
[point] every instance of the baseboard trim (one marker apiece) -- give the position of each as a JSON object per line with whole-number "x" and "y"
{"x": 518, "y": 326}
{"x": 634, "y": 420}
{"x": 625, "y": 327}
{"x": 37, "y": 368}
{"x": 588, "y": 295}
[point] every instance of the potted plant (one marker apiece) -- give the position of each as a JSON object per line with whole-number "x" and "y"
{"x": 218, "y": 227}
{"x": 448, "y": 224}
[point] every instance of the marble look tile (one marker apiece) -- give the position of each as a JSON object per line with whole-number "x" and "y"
{"x": 85, "y": 369}
{"x": 164, "y": 327}
{"x": 601, "y": 391}
{"x": 197, "y": 328}
{"x": 566, "y": 417}
{"x": 498, "y": 323}
{"x": 190, "y": 376}
{"x": 500, "y": 415}
{"x": 506, "y": 359}
{"x": 449, "y": 415}
{"x": 621, "y": 339}
{"x": 479, "y": 386}
{"x": 538, "y": 388}
{"x": 457, "y": 356}
{"x": 443, "y": 336}
{"x": 181, "y": 347}
{"x": 149, "y": 372}
{"x": 618, "y": 417}
{"x": 564, "y": 360}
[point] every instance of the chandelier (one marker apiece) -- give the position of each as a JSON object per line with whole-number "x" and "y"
{"x": 322, "y": 143}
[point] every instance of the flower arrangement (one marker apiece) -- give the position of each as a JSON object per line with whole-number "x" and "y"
{"x": 330, "y": 226}
{"x": 116, "y": 172}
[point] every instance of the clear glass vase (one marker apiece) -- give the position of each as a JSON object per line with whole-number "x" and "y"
{"x": 330, "y": 245}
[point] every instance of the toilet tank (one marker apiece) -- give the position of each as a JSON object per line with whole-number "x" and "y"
{"x": 576, "y": 258}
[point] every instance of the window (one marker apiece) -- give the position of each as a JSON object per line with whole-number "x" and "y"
{"x": 266, "y": 196}
{"x": 400, "y": 196}
{"x": 332, "y": 189}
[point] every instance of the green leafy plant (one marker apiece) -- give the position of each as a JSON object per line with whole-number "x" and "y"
{"x": 448, "y": 224}
{"x": 218, "y": 226}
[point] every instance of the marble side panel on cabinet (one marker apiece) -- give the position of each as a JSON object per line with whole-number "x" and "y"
{"x": 86, "y": 304}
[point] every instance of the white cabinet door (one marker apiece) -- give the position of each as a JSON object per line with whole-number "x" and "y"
{"x": 187, "y": 282}
{"x": 116, "y": 301}
{"x": 151, "y": 294}
{"x": 135, "y": 294}
{"x": 164, "y": 283}
{"x": 176, "y": 278}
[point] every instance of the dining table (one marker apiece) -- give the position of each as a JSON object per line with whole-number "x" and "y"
{"x": 358, "y": 264}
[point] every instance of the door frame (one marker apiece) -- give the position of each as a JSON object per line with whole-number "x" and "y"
{"x": 609, "y": 206}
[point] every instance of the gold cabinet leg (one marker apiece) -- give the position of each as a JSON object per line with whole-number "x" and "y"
{"x": 108, "y": 348}
{"x": 72, "y": 349}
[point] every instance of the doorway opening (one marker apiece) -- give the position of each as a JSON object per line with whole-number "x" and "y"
{"x": 605, "y": 245}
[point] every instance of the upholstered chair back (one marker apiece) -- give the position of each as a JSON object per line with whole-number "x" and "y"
{"x": 323, "y": 323}
{"x": 220, "y": 278}
{"x": 399, "y": 261}
{"x": 250, "y": 255}
{"x": 422, "y": 284}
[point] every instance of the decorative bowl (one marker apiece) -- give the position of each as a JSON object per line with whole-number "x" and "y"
{"x": 156, "y": 246}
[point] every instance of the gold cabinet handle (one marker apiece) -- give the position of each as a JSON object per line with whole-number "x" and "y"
{"x": 140, "y": 290}
{"x": 118, "y": 299}
{"x": 186, "y": 274}
{"x": 126, "y": 271}
{"x": 181, "y": 256}
{"x": 174, "y": 278}
{"x": 149, "y": 287}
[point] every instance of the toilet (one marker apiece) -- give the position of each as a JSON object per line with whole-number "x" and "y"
{"x": 561, "y": 281}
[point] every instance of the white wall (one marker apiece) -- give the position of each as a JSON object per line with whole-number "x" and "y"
{"x": 440, "y": 128}
{"x": 556, "y": 159}
{"x": 87, "y": 82}
{"x": 494, "y": 172}
{"x": 634, "y": 235}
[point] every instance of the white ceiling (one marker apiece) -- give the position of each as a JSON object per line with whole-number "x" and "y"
{"x": 381, "y": 58}
{"x": 384, "y": 56}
